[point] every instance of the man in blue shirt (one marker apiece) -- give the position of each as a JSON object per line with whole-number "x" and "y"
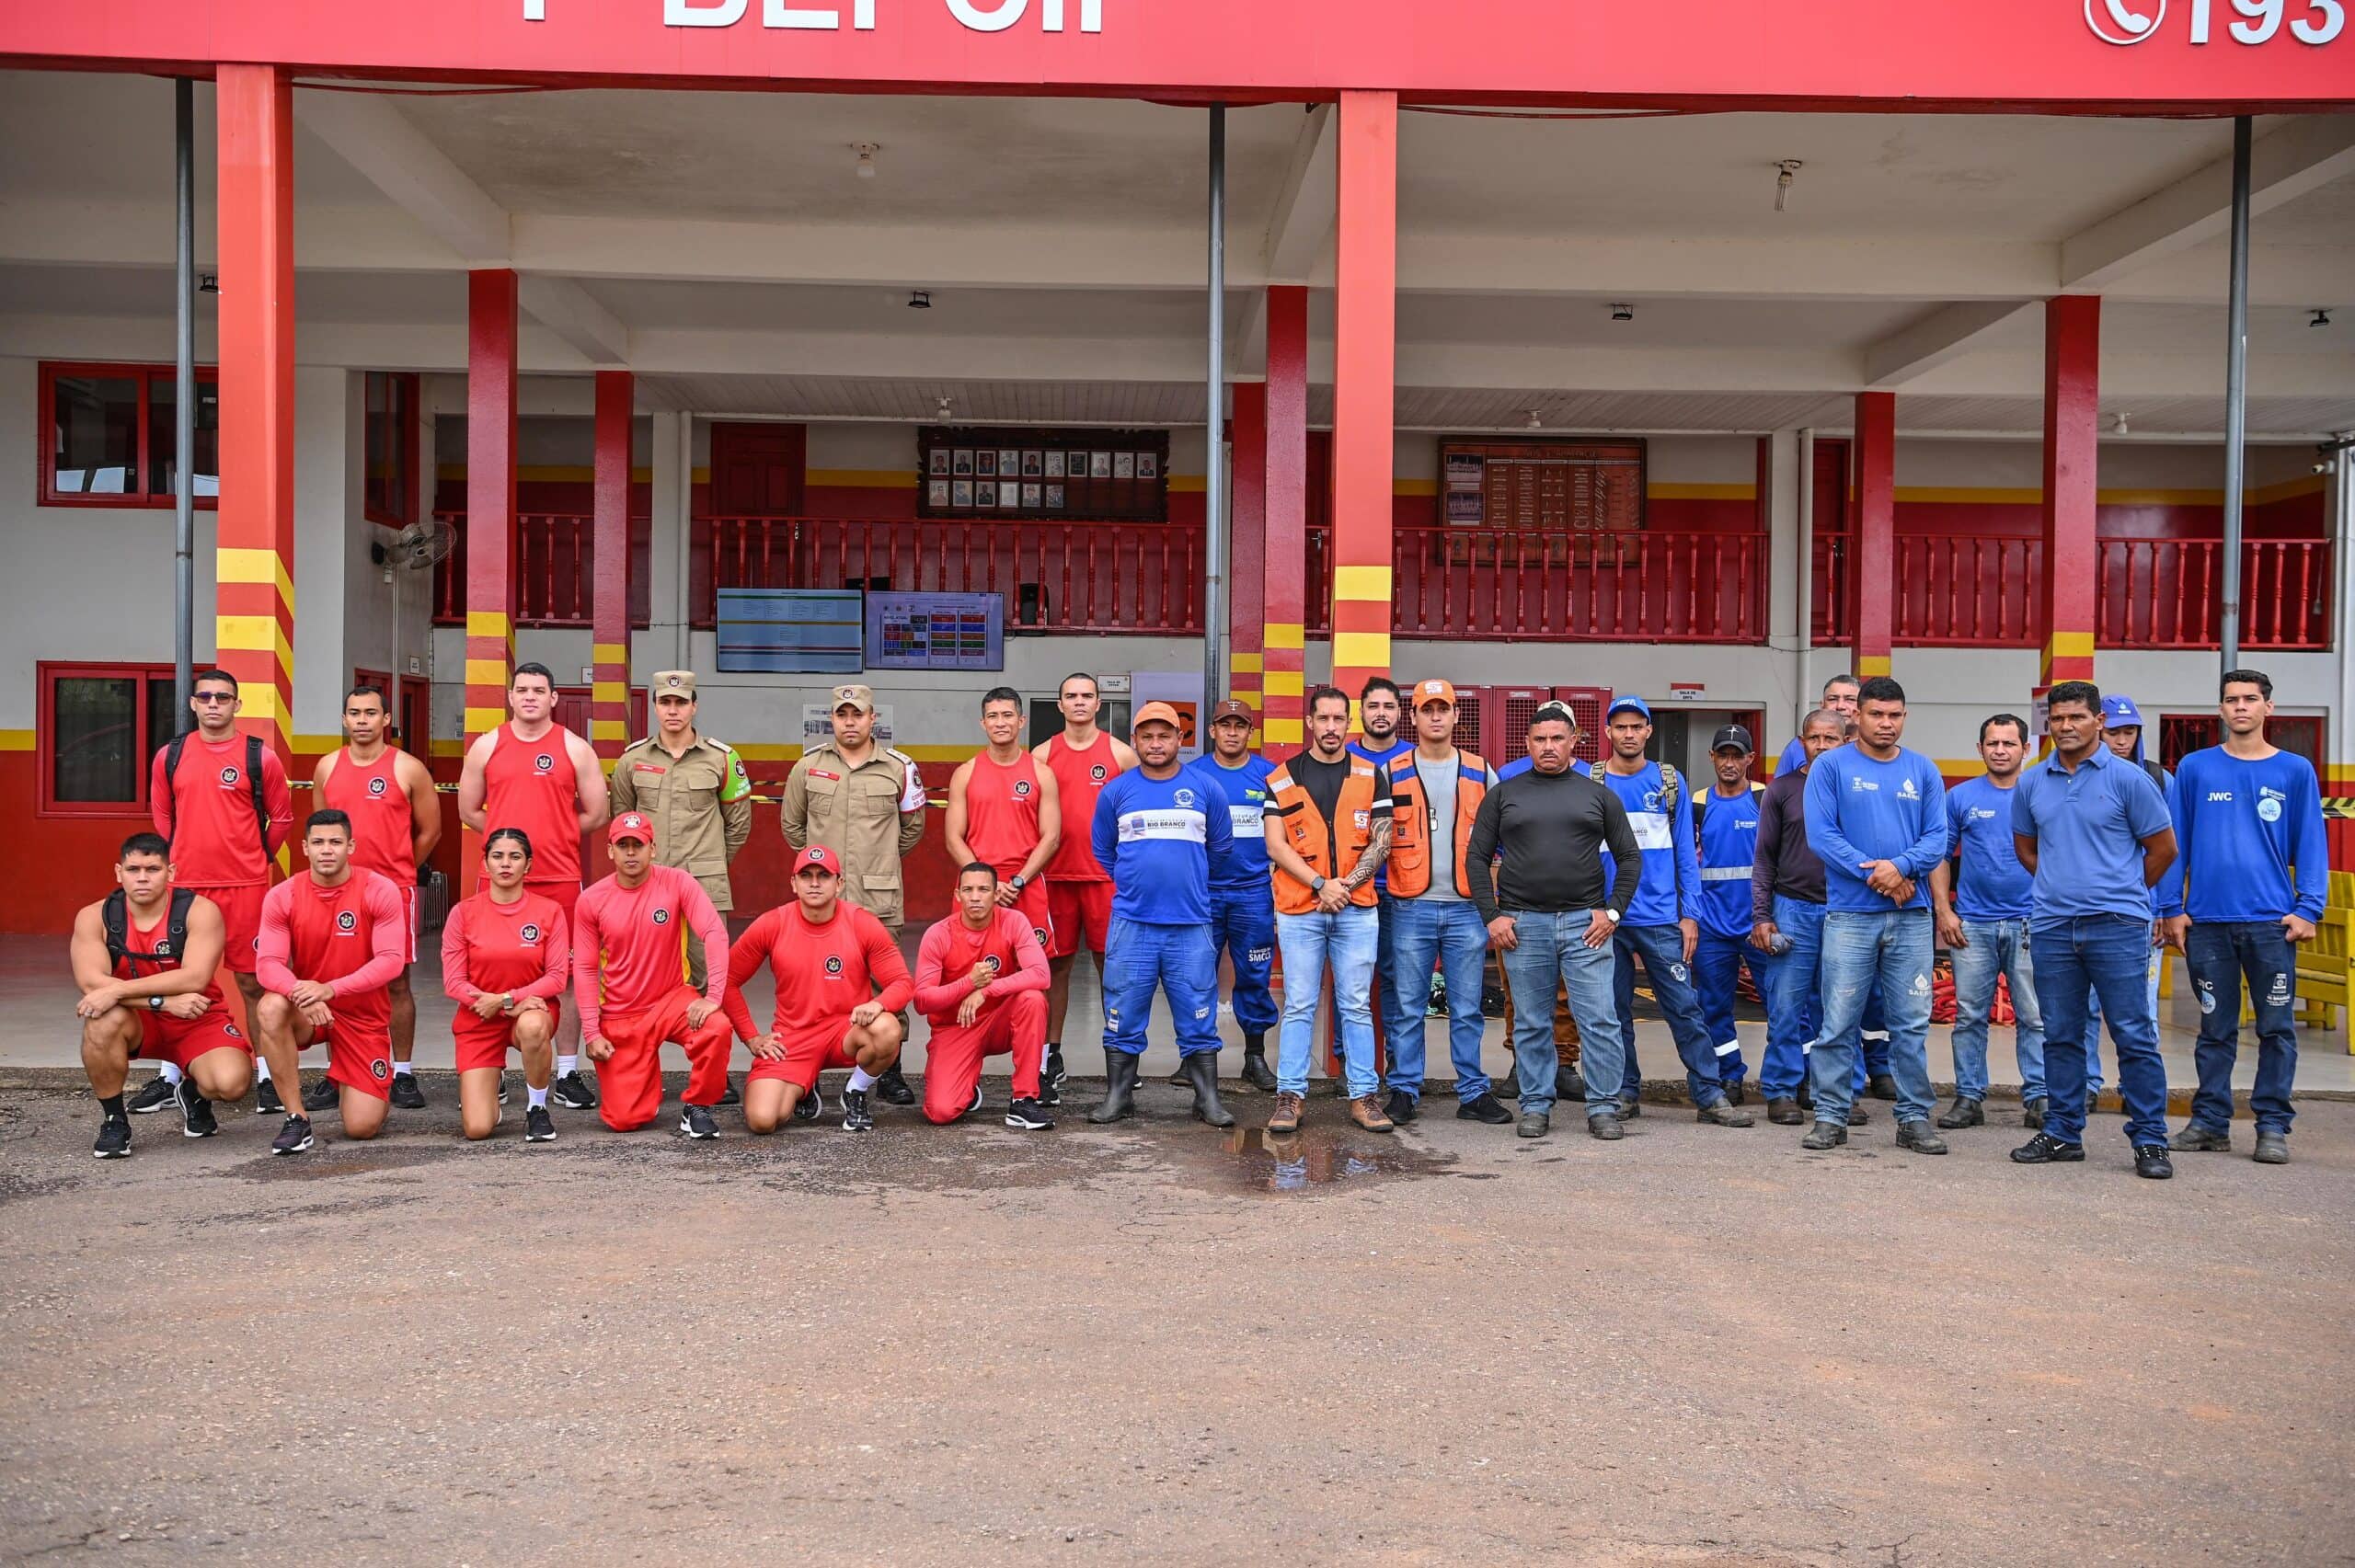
{"x": 1662, "y": 926}
{"x": 1163, "y": 832}
{"x": 1243, "y": 909}
{"x": 1726, "y": 822}
{"x": 2093, "y": 829}
{"x": 1840, "y": 697}
{"x": 1382, "y": 713}
{"x": 2249, "y": 885}
{"x": 1876, "y": 817}
{"x": 1982, "y": 923}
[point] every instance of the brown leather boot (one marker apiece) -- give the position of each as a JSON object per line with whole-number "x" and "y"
{"x": 1366, "y": 1111}
{"x": 1285, "y": 1117}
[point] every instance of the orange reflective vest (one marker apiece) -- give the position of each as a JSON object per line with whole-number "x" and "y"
{"x": 1410, "y": 866}
{"x": 1310, "y": 835}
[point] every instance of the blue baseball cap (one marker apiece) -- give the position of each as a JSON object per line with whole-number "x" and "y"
{"x": 1630, "y": 703}
{"x": 2119, "y": 713}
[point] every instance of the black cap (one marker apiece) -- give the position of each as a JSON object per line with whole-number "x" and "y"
{"x": 1732, "y": 735}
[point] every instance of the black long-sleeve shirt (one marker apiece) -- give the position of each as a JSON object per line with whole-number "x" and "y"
{"x": 1551, "y": 829}
{"x": 1784, "y": 863}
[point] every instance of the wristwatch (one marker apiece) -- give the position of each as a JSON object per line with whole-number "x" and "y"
{"x": 154, "y": 1005}
{"x": 1018, "y": 882}
{"x": 1316, "y": 885}
{"x": 1611, "y": 914}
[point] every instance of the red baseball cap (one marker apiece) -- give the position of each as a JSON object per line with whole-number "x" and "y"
{"x": 819, "y": 856}
{"x": 630, "y": 825}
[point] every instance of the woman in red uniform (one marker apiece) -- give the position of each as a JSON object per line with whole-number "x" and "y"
{"x": 506, "y": 958}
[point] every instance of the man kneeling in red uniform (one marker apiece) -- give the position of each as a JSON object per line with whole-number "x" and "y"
{"x": 982, "y": 983}
{"x": 830, "y": 961}
{"x": 629, "y": 979}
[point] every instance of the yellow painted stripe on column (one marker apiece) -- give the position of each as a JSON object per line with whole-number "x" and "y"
{"x": 1286, "y": 683}
{"x": 487, "y": 624}
{"x": 1284, "y": 731}
{"x": 1361, "y": 582}
{"x": 263, "y": 704}
{"x": 1873, "y": 664}
{"x": 2071, "y": 644}
{"x": 1361, "y": 650}
{"x": 1281, "y": 634}
{"x": 1246, "y": 663}
{"x": 253, "y": 633}
{"x": 607, "y": 729}
{"x": 482, "y": 721}
{"x": 485, "y": 672}
{"x": 608, "y": 653}
{"x": 235, "y": 564}
{"x": 609, "y": 692}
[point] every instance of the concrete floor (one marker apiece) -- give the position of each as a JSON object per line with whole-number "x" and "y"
{"x": 1155, "y": 1343}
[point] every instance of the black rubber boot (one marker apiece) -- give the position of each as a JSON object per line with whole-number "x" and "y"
{"x": 1256, "y": 1070}
{"x": 1120, "y": 1089}
{"x": 1179, "y": 1079}
{"x": 1202, "y": 1071}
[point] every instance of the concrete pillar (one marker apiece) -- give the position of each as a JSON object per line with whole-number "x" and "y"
{"x": 1782, "y": 485}
{"x": 609, "y": 614}
{"x": 1364, "y": 361}
{"x": 2068, "y": 596}
{"x": 490, "y": 510}
{"x": 1248, "y": 560}
{"x": 1286, "y": 510}
{"x": 1875, "y": 564}
{"x": 254, "y": 593}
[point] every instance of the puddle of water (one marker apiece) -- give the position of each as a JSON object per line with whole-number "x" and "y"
{"x": 1252, "y": 1159}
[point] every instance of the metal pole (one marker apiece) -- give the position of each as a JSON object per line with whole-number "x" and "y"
{"x": 1214, "y": 479}
{"x": 2235, "y": 397}
{"x": 184, "y": 408}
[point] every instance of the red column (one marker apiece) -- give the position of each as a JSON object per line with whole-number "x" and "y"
{"x": 1364, "y": 356}
{"x": 254, "y": 597}
{"x": 490, "y": 509}
{"x": 1246, "y": 581}
{"x": 609, "y": 698}
{"x": 1875, "y": 566}
{"x": 2069, "y": 592}
{"x": 1286, "y": 509}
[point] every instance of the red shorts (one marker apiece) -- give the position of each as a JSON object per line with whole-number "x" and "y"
{"x": 408, "y": 907}
{"x": 181, "y": 1040}
{"x": 359, "y": 1056}
{"x": 1077, "y": 910}
{"x": 484, "y": 1042}
{"x": 1034, "y": 906}
{"x": 807, "y": 1055}
{"x": 240, "y": 923}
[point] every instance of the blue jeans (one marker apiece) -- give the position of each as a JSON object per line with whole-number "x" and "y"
{"x": 1794, "y": 999}
{"x": 1552, "y": 951}
{"x": 1386, "y": 961}
{"x": 1177, "y": 959}
{"x": 1345, "y": 939}
{"x": 2093, "y": 1011}
{"x": 1448, "y": 932}
{"x": 1861, "y": 948}
{"x": 1717, "y": 972}
{"x": 2109, "y": 955}
{"x": 1997, "y": 947}
{"x": 1243, "y": 926}
{"x": 1662, "y": 947}
{"x": 2220, "y": 954}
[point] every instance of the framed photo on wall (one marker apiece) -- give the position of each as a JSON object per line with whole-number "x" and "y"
{"x": 1004, "y": 473}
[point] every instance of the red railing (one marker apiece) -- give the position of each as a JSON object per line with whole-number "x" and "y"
{"x": 1653, "y": 585}
{"x": 1978, "y": 590}
{"x": 1062, "y": 577}
{"x": 555, "y": 560}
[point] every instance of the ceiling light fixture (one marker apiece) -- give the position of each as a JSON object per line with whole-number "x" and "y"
{"x": 866, "y": 151}
{"x": 919, "y": 299}
{"x": 1783, "y": 169}
{"x": 2320, "y": 318}
{"x": 2118, "y": 423}
{"x": 944, "y": 410}
{"x": 1623, "y": 313}
{"x": 1534, "y": 422}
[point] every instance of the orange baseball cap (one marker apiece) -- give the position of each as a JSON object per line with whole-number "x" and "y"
{"x": 630, "y": 825}
{"x": 819, "y": 856}
{"x": 1427, "y": 692}
{"x": 1157, "y": 713}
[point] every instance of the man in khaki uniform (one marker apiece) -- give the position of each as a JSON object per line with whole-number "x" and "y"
{"x": 866, "y": 803}
{"x": 694, "y": 791}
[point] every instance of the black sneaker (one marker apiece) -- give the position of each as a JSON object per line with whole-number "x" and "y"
{"x": 857, "y": 1116}
{"x": 114, "y": 1139}
{"x": 293, "y": 1138}
{"x": 1051, "y": 1080}
{"x": 894, "y": 1089}
{"x": 266, "y": 1099}
{"x": 407, "y": 1094}
{"x": 323, "y": 1095}
{"x": 1401, "y": 1107}
{"x": 1485, "y": 1108}
{"x": 539, "y": 1126}
{"x": 730, "y": 1094}
{"x": 696, "y": 1121}
{"x": 502, "y": 1088}
{"x": 197, "y": 1119}
{"x": 1029, "y": 1114}
{"x": 976, "y": 1103}
{"x": 2046, "y": 1149}
{"x": 154, "y": 1095}
{"x": 2150, "y": 1161}
{"x": 810, "y": 1106}
{"x": 572, "y": 1091}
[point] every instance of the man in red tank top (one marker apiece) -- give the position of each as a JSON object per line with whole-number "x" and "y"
{"x": 146, "y": 999}
{"x": 531, "y": 772}
{"x": 395, "y": 822}
{"x": 982, "y": 983}
{"x": 331, "y": 941}
{"x": 222, "y": 847}
{"x": 1079, "y": 891}
{"x": 1006, "y": 811}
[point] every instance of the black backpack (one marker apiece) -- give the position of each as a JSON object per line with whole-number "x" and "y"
{"x": 253, "y": 777}
{"x": 116, "y": 915}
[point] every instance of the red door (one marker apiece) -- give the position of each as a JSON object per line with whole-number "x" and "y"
{"x": 757, "y": 470}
